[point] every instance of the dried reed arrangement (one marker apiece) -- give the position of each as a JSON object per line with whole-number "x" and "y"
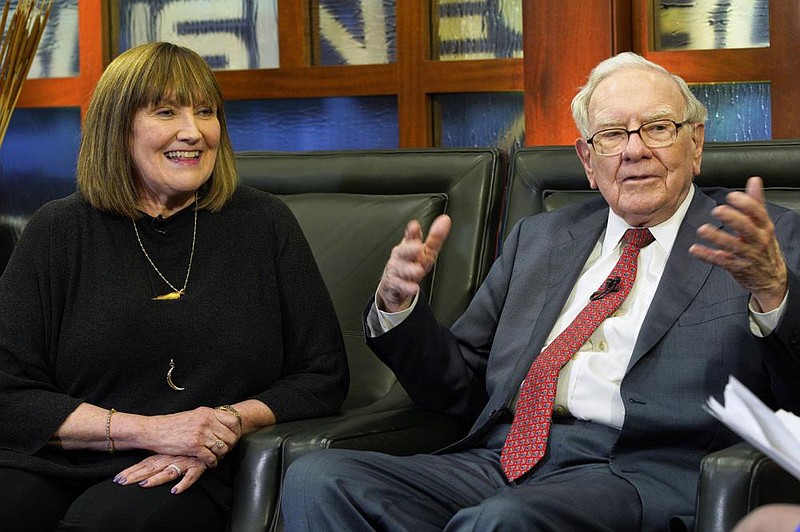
{"x": 18, "y": 50}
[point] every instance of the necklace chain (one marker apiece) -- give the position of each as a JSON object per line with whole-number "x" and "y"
{"x": 175, "y": 292}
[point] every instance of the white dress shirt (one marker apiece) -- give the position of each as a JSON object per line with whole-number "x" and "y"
{"x": 589, "y": 384}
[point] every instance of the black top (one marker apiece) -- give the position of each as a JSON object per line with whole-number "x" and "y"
{"x": 78, "y": 323}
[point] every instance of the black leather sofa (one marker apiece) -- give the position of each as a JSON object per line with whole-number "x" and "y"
{"x": 360, "y": 201}
{"x": 733, "y": 481}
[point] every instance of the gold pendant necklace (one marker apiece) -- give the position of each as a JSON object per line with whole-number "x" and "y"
{"x": 175, "y": 294}
{"x": 169, "y": 377}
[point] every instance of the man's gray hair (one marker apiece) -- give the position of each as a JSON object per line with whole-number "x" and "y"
{"x": 695, "y": 110}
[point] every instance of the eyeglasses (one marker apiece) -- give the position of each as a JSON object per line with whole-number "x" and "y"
{"x": 655, "y": 134}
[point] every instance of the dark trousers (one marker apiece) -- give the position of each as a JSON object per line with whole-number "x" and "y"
{"x": 572, "y": 488}
{"x": 31, "y": 502}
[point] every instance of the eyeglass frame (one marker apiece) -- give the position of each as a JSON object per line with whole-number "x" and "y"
{"x": 628, "y": 133}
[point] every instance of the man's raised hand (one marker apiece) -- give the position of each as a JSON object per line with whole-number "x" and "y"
{"x": 411, "y": 260}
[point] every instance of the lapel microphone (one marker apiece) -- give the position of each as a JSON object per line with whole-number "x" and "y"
{"x": 611, "y": 285}
{"x": 159, "y": 225}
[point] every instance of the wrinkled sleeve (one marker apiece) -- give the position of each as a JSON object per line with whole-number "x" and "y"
{"x": 31, "y": 405}
{"x": 315, "y": 377}
{"x": 783, "y": 356}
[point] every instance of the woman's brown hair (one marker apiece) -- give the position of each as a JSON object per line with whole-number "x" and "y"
{"x": 140, "y": 77}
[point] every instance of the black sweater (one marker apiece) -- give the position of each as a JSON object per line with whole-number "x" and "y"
{"x": 78, "y": 323}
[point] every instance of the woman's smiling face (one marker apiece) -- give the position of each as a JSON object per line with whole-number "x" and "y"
{"x": 174, "y": 149}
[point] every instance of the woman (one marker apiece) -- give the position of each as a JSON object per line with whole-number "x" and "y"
{"x": 153, "y": 318}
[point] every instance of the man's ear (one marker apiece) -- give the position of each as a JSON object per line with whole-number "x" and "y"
{"x": 584, "y": 152}
{"x": 698, "y": 137}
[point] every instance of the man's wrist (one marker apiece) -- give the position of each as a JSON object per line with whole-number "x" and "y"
{"x": 384, "y": 306}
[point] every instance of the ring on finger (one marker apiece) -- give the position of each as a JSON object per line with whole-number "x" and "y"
{"x": 218, "y": 444}
{"x": 178, "y": 471}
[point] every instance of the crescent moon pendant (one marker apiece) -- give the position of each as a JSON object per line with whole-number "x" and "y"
{"x": 169, "y": 377}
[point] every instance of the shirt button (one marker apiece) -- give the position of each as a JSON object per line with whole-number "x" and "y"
{"x": 601, "y": 345}
{"x": 560, "y": 410}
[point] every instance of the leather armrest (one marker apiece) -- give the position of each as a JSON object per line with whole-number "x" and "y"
{"x": 736, "y": 480}
{"x": 262, "y": 459}
{"x": 265, "y": 454}
{"x": 402, "y": 432}
{"x": 258, "y": 478}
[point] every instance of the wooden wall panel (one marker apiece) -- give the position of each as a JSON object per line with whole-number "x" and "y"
{"x": 563, "y": 41}
{"x": 294, "y": 30}
{"x": 414, "y": 116}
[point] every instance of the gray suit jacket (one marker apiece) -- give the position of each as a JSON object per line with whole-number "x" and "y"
{"x": 695, "y": 335}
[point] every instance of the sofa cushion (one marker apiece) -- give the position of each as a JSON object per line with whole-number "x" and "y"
{"x": 351, "y": 236}
{"x": 353, "y": 207}
{"x": 545, "y": 178}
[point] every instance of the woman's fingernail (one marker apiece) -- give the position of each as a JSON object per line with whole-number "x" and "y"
{"x": 120, "y": 480}
{"x": 143, "y": 483}
{"x": 174, "y": 490}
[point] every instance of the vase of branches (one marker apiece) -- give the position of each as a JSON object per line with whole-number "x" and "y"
{"x": 21, "y": 34}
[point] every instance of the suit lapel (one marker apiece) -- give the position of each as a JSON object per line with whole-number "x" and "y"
{"x": 566, "y": 260}
{"x": 682, "y": 279}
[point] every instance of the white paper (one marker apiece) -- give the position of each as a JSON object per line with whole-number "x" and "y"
{"x": 776, "y": 434}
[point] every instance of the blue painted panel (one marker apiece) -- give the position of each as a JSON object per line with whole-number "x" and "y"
{"x": 313, "y": 124}
{"x": 737, "y": 112}
{"x": 57, "y": 54}
{"x": 480, "y": 119}
{"x": 705, "y": 25}
{"x": 235, "y": 34}
{"x": 357, "y": 32}
{"x": 38, "y": 157}
{"x": 477, "y": 29}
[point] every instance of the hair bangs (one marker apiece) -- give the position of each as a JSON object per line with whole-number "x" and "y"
{"x": 183, "y": 79}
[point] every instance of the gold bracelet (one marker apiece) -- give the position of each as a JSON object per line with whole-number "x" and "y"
{"x": 109, "y": 440}
{"x": 229, "y": 408}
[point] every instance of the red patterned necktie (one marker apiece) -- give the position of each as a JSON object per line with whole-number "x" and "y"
{"x": 527, "y": 439}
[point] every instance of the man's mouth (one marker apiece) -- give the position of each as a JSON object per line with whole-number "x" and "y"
{"x": 638, "y": 178}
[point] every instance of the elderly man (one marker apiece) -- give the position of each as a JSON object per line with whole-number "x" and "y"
{"x": 586, "y": 356}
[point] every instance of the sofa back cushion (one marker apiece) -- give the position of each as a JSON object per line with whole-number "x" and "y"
{"x": 548, "y": 177}
{"x": 353, "y": 208}
{"x": 352, "y": 236}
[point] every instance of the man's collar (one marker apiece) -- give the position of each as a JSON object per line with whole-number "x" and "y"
{"x": 665, "y": 233}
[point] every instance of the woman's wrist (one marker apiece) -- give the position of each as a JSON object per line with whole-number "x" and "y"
{"x": 128, "y": 431}
{"x": 232, "y": 410}
{"x": 110, "y": 447}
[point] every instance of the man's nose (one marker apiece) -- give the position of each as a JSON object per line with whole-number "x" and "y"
{"x": 635, "y": 145}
